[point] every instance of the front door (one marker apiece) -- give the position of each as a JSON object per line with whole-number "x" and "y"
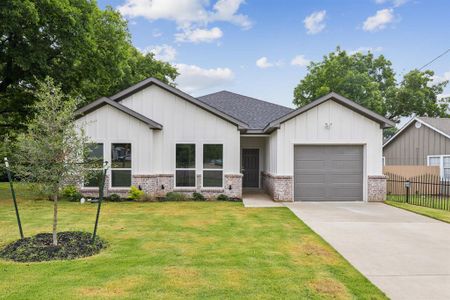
{"x": 250, "y": 167}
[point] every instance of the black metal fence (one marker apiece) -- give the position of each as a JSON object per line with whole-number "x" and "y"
{"x": 423, "y": 190}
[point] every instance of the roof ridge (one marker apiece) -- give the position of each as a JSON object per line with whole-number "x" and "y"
{"x": 264, "y": 101}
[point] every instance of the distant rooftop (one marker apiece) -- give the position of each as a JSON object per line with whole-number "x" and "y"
{"x": 256, "y": 113}
{"x": 442, "y": 124}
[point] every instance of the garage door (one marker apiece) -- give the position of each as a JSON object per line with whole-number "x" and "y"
{"x": 328, "y": 173}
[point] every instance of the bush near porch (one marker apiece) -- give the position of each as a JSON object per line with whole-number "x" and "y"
{"x": 179, "y": 250}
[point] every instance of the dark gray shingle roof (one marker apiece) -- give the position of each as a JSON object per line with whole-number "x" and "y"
{"x": 442, "y": 124}
{"x": 256, "y": 113}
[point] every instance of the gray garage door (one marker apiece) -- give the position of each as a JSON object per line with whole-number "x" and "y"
{"x": 328, "y": 173}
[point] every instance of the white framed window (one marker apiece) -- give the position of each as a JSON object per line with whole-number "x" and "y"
{"x": 94, "y": 160}
{"x": 121, "y": 165}
{"x": 443, "y": 162}
{"x": 212, "y": 165}
{"x": 185, "y": 165}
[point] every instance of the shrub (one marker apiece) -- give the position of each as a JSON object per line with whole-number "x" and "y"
{"x": 114, "y": 198}
{"x": 147, "y": 198}
{"x": 71, "y": 193}
{"x": 235, "y": 199}
{"x": 223, "y": 197}
{"x": 198, "y": 197}
{"x": 135, "y": 193}
{"x": 173, "y": 196}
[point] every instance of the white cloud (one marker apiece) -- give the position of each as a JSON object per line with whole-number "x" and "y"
{"x": 264, "y": 63}
{"x": 180, "y": 11}
{"x": 395, "y": 3}
{"x": 380, "y": 20}
{"x": 438, "y": 79}
{"x": 366, "y": 49}
{"x": 199, "y": 35}
{"x": 225, "y": 10}
{"x": 443, "y": 96}
{"x": 162, "y": 52}
{"x": 193, "y": 78}
{"x": 300, "y": 61}
{"x": 189, "y": 15}
{"x": 314, "y": 23}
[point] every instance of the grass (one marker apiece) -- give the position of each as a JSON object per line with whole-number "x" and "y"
{"x": 442, "y": 203}
{"x": 179, "y": 250}
{"x": 437, "y": 214}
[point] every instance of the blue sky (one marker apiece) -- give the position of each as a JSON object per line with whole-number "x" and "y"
{"x": 260, "y": 48}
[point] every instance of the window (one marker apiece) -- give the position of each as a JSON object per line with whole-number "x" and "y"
{"x": 120, "y": 165}
{"x": 94, "y": 161}
{"x": 443, "y": 162}
{"x": 434, "y": 160}
{"x": 213, "y": 165}
{"x": 185, "y": 165}
{"x": 446, "y": 167}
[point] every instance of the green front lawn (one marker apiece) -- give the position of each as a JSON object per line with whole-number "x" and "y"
{"x": 178, "y": 250}
{"x": 442, "y": 215}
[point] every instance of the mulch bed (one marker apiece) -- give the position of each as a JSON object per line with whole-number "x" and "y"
{"x": 71, "y": 245}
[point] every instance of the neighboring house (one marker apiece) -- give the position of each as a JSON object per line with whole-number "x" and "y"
{"x": 422, "y": 141}
{"x": 162, "y": 139}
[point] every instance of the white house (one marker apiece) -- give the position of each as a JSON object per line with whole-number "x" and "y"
{"x": 161, "y": 139}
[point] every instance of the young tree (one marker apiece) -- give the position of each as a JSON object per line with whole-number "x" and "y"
{"x": 49, "y": 154}
{"x": 370, "y": 81}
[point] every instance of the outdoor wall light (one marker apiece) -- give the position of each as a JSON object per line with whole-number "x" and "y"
{"x": 139, "y": 187}
{"x": 229, "y": 187}
{"x": 162, "y": 186}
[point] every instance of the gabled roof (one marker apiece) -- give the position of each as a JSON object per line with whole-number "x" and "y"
{"x": 440, "y": 125}
{"x": 256, "y": 113}
{"x": 384, "y": 122}
{"x": 106, "y": 101}
{"x": 242, "y": 125}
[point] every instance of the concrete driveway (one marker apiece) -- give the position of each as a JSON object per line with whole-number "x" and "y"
{"x": 406, "y": 255}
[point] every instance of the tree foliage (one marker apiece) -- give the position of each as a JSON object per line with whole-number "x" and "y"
{"x": 371, "y": 82}
{"x": 49, "y": 154}
{"x": 86, "y": 50}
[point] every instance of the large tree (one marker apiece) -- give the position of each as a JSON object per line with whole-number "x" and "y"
{"x": 86, "y": 50}
{"x": 371, "y": 82}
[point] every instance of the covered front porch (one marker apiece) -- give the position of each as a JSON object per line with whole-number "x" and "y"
{"x": 258, "y": 166}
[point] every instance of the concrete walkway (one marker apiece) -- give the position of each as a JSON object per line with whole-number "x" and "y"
{"x": 258, "y": 198}
{"x": 406, "y": 255}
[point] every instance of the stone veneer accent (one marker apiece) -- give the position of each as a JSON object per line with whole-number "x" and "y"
{"x": 278, "y": 187}
{"x": 160, "y": 184}
{"x": 376, "y": 188}
{"x": 235, "y": 182}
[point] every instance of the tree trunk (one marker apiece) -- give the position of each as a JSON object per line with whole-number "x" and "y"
{"x": 55, "y": 219}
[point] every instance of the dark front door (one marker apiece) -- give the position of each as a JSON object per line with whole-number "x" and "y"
{"x": 250, "y": 166}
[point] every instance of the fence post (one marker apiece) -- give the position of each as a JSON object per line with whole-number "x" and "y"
{"x": 407, "y": 186}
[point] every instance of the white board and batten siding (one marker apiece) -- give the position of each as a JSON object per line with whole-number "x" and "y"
{"x": 108, "y": 125}
{"x": 347, "y": 128}
{"x": 271, "y": 153}
{"x": 182, "y": 121}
